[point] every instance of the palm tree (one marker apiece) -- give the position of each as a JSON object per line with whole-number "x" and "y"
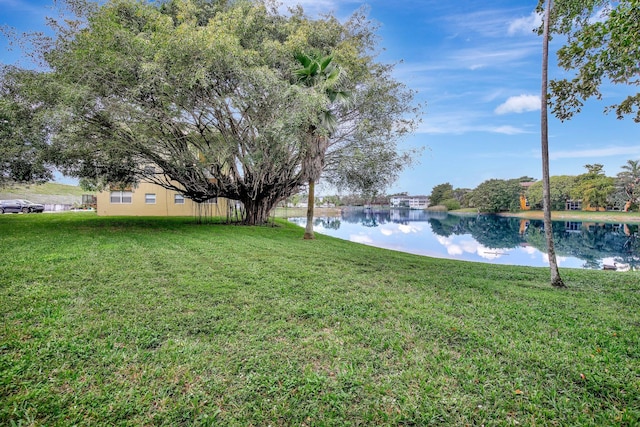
{"x": 629, "y": 179}
{"x": 323, "y": 75}
{"x": 556, "y": 280}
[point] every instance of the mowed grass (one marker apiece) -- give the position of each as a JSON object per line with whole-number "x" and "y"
{"x": 140, "y": 321}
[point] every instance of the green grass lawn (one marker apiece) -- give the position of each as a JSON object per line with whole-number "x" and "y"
{"x": 138, "y": 321}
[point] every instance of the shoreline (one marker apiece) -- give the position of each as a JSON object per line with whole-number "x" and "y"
{"x": 608, "y": 217}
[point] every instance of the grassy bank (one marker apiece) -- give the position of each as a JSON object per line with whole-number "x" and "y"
{"x": 50, "y": 192}
{"x": 137, "y": 321}
{"x": 302, "y": 212}
{"x": 608, "y": 216}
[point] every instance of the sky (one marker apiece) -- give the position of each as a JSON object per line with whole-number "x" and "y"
{"x": 475, "y": 66}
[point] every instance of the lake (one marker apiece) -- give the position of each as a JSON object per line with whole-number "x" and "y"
{"x": 486, "y": 238}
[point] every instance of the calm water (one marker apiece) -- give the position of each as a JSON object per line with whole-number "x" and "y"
{"x": 486, "y": 238}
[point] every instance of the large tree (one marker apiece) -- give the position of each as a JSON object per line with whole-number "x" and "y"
{"x": 440, "y": 193}
{"x": 200, "y": 97}
{"x": 628, "y": 183}
{"x": 560, "y": 188}
{"x": 602, "y": 47}
{"x": 497, "y": 195}
{"x": 23, "y": 136}
{"x": 593, "y": 187}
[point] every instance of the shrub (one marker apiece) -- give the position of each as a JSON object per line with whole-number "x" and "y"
{"x": 451, "y": 204}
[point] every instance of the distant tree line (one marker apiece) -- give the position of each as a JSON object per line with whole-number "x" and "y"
{"x": 352, "y": 199}
{"x": 593, "y": 189}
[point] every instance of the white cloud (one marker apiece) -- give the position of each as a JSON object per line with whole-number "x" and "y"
{"x": 458, "y": 125}
{"x": 507, "y": 130}
{"x": 559, "y": 259}
{"x": 406, "y": 229}
{"x": 453, "y": 249}
{"x": 386, "y": 231}
{"x": 519, "y": 104}
{"x": 596, "y": 152}
{"x": 493, "y": 95}
{"x": 525, "y": 25}
{"x": 490, "y": 56}
{"x": 468, "y": 246}
{"x": 361, "y": 238}
{"x": 483, "y": 23}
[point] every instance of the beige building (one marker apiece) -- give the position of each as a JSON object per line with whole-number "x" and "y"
{"x": 147, "y": 199}
{"x": 412, "y": 202}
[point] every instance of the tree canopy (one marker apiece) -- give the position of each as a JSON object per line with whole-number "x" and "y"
{"x": 497, "y": 195}
{"x": 440, "y": 193}
{"x": 560, "y": 191}
{"x": 593, "y": 187}
{"x": 23, "y": 151}
{"x": 603, "y": 45}
{"x": 202, "y": 98}
{"x": 628, "y": 184}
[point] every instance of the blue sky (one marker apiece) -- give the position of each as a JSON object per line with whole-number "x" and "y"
{"x": 476, "y": 68}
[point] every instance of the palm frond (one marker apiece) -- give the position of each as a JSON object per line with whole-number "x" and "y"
{"x": 325, "y": 62}
{"x": 339, "y": 96}
{"x": 303, "y": 59}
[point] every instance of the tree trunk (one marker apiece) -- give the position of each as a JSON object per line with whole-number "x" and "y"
{"x": 313, "y": 167}
{"x": 308, "y": 231}
{"x": 556, "y": 280}
{"x": 256, "y": 212}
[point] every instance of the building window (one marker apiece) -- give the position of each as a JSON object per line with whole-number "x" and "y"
{"x": 213, "y": 201}
{"x": 178, "y": 199}
{"x": 572, "y": 226}
{"x": 150, "y": 198}
{"x": 574, "y": 205}
{"x": 121, "y": 196}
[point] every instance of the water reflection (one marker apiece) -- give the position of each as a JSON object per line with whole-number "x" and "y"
{"x": 487, "y": 238}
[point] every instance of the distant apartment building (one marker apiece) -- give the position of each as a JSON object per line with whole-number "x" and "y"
{"x": 411, "y": 202}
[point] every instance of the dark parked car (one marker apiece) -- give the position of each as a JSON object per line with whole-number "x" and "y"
{"x": 28, "y": 206}
{"x": 20, "y": 205}
{"x": 7, "y": 206}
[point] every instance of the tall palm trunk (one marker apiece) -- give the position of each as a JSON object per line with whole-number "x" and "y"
{"x": 556, "y": 280}
{"x": 308, "y": 231}
{"x": 322, "y": 73}
{"x": 313, "y": 166}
